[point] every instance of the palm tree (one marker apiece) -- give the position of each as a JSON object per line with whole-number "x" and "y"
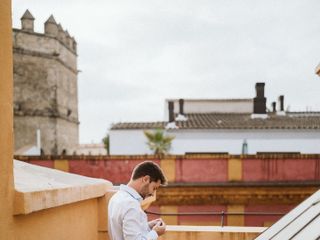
{"x": 158, "y": 142}
{"x": 106, "y": 142}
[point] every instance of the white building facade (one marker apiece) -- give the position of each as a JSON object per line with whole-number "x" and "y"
{"x": 234, "y": 126}
{"x": 131, "y": 142}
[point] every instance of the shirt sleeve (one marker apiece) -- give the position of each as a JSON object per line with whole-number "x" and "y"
{"x": 133, "y": 227}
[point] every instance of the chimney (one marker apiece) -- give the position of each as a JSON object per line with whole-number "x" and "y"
{"x": 181, "y": 105}
{"x": 244, "y": 147}
{"x": 274, "y": 109}
{"x": 27, "y": 22}
{"x": 51, "y": 27}
{"x": 38, "y": 139}
{"x": 259, "y": 102}
{"x": 281, "y": 103}
{"x": 171, "y": 113}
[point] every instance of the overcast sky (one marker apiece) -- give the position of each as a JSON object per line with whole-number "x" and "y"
{"x": 135, "y": 54}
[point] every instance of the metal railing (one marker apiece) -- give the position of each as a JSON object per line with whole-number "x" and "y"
{"x": 222, "y": 214}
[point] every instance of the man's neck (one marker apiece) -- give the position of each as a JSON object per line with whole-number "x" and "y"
{"x": 133, "y": 185}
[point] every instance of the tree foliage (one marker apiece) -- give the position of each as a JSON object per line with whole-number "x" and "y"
{"x": 106, "y": 142}
{"x": 158, "y": 142}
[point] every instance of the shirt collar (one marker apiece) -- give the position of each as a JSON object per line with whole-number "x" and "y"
{"x": 131, "y": 191}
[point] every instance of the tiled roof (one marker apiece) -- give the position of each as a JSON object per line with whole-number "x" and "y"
{"x": 139, "y": 125}
{"x": 234, "y": 121}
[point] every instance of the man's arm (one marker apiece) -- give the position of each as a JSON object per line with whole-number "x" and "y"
{"x": 133, "y": 227}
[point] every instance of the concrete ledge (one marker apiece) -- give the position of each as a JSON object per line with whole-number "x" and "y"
{"x": 178, "y": 228}
{"x": 211, "y": 232}
{"x": 38, "y": 188}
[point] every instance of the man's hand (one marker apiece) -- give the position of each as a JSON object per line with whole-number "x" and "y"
{"x": 159, "y": 227}
{"x": 153, "y": 222}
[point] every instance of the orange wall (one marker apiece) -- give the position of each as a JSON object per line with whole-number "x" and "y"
{"x": 6, "y": 121}
{"x": 72, "y": 221}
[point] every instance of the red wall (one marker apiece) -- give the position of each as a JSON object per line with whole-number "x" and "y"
{"x": 260, "y": 219}
{"x": 194, "y": 220}
{"x": 116, "y": 171}
{"x": 249, "y": 220}
{"x": 201, "y": 170}
{"x": 43, "y": 163}
{"x": 280, "y": 169}
{"x": 255, "y": 168}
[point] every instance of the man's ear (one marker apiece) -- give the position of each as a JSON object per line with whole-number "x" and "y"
{"x": 146, "y": 178}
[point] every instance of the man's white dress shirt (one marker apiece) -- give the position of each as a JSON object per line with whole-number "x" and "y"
{"x": 127, "y": 220}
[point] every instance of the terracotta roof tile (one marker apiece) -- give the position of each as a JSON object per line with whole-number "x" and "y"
{"x": 294, "y": 120}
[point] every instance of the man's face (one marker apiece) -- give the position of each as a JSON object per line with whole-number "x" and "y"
{"x": 148, "y": 188}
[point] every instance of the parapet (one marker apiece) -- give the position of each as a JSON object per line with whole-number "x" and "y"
{"x": 51, "y": 29}
{"x": 39, "y": 188}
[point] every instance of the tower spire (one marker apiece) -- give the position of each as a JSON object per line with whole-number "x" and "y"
{"x": 27, "y": 21}
{"x": 51, "y": 27}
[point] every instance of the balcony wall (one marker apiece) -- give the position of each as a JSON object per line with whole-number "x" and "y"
{"x": 197, "y": 168}
{"x": 50, "y": 204}
{"x": 211, "y": 182}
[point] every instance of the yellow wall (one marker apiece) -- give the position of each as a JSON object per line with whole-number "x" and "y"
{"x": 169, "y": 220}
{"x": 169, "y": 168}
{"x": 84, "y": 220}
{"x": 72, "y": 221}
{"x": 6, "y": 122}
{"x": 234, "y": 169}
{"x": 235, "y": 220}
{"x": 62, "y": 165}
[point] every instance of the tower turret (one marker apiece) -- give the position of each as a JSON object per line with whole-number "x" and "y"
{"x": 69, "y": 39}
{"x": 61, "y": 34}
{"x": 51, "y": 27}
{"x": 27, "y": 22}
{"x": 74, "y": 45}
{"x": 55, "y": 114}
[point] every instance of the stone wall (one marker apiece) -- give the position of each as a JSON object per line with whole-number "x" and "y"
{"x": 45, "y": 91}
{"x": 56, "y": 134}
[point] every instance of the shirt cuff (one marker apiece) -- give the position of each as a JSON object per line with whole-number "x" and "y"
{"x": 152, "y": 235}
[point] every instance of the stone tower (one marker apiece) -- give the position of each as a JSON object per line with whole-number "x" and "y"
{"x": 45, "y": 87}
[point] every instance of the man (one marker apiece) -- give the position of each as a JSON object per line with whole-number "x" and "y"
{"x": 127, "y": 220}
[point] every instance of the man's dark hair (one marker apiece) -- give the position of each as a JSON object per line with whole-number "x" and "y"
{"x": 151, "y": 169}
